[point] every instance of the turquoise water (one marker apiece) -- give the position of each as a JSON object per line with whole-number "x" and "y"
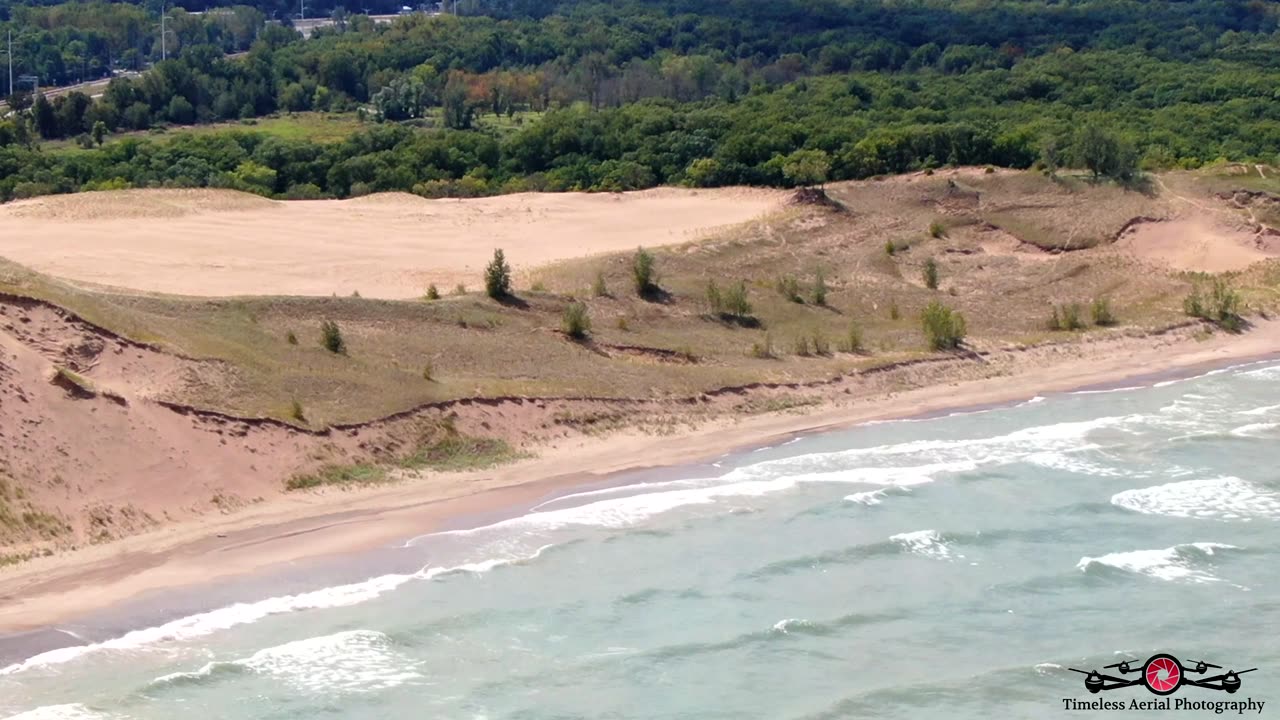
{"x": 943, "y": 568}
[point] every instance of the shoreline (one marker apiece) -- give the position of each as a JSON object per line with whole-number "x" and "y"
{"x": 300, "y": 531}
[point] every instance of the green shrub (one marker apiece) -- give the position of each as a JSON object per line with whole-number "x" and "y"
{"x": 497, "y": 277}
{"x": 735, "y": 300}
{"x": 622, "y": 324}
{"x": 819, "y": 344}
{"x": 1065, "y": 317}
{"x": 459, "y": 289}
{"x": 598, "y": 288}
{"x": 931, "y": 274}
{"x": 576, "y": 323}
{"x": 331, "y": 338}
{"x": 852, "y": 341}
{"x": 643, "y": 274}
{"x": 944, "y": 328}
{"x": 789, "y": 287}
{"x": 820, "y": 290}
{"x": 429, "y": 372}
{"x": 290, "y": 338}
{"x": 715, "y": 302}
{"x": 1100, "y": 312}
{"x": 763, "y": 350}
{"x": 1221, "y": 306}
{"x": 433, "y": 293}
{"x": 937, "y": 229}
{"x": 894, "y": 314}
{"x": 890, "y": 248}
{"x": 295, "y": 411}
{"x": 802, "y": 346}
{"x": 538, "y": 286}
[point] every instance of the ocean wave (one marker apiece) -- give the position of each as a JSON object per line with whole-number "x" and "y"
{"x": 72, "y": 711}
{"x": 1180, "y": 563}
{"x": 926, "y": 543}
{"x": 1265, "y": 409}
{"x": 1224, "y": 498}
{"x": 875, "y": 497}
{"x": 1256, "y": 430}
{"x": 202, "y": 624}
{"x": 349, "y": 661}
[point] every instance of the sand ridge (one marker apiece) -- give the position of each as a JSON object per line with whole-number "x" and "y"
{"x": 388, "y": 245}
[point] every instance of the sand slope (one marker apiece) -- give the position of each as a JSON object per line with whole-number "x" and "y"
{"x": 219, "y": 242}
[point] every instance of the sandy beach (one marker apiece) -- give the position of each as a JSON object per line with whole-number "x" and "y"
{"x": 47, "y": 591}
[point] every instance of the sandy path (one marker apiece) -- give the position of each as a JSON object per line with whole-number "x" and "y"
{"x": 210, "y": 242}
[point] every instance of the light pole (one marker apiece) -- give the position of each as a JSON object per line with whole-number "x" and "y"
{"x": 164, "y": 35}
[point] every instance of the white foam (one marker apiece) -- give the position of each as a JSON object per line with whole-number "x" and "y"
{"x": 1224, "y": 498}
{"x": 351, "y": 661}
{"x": 202, "y": 624}
{"x": 1169, "y": 564}
{"x": 73, "y": 711}
{"x": 927, "y": 543}
{"x": 784, "y": 626}
{"x": 1126, "y": 388}
{"x": 1256, "y": 430}
{"x": 1047, "y": 668}
{"x": 1265, "y": 409}
{"x": 870, "y": 497}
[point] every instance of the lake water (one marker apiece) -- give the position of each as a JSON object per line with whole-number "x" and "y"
{"x": 943, "y": 568}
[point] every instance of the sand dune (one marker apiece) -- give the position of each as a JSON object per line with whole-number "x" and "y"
{"x": 1197, "y": 243}
{"x": 218, "y": 242}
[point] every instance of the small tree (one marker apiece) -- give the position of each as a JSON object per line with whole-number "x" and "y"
{"x": 852, "y": 341}
{"x": 820, "y": 290}
{"x": 598, "y": 288}
{"x": 642, "y": 272}
{"x": 806, "y": 167}
{"x": 433, "y": 292}
{"x": 99, "y": 132}
{"x": 576, "y": 323}
{"x": 290, "y": 338}
{"x": 931, "y": 274}
{"x": 331, "y": 338}
{"x": 944, "y": 328}
{"x": 497, "y": 277}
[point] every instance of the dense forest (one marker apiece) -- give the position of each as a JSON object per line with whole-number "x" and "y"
{"x": 619, "y": 95}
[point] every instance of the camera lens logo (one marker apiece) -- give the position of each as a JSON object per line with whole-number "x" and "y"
{"x": 1162, "y": 674}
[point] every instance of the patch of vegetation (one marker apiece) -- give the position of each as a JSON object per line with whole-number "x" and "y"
{"x": 575, "y": 322}
{"x": 763, "y": 349}
{"x": 291, "y": 338}
{"x": 1101, "y": 313}
{"x": 433, "y": 293}
{"x": 338, "y": 475}
{"x": 789, "y": 288}
{"x": 931, "y": 274}
{"x": 820, "y": 290}
{"x": 295, "y": 412}
{"x": 1065, "y": 317}
{"x": 852, "y": 340}
{"x": 944, "y": 328}
{"x": 598, "y": 286}
{"x": 497, "y": 277}
{"x": 331, "y": 338}
{"x": 937, "y": 229}
{"x": 643, "y": 274}
{"x": 449, "y": 452}
{"x": 1221, "y": 305}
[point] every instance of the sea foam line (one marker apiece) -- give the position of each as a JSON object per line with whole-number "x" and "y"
{"x": 1177, "y": 563}
{"x": 224, "y": 618}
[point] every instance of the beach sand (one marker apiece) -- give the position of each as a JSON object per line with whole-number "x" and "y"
{"x": 294, "y": 528}
{"x": 389, "y": 245}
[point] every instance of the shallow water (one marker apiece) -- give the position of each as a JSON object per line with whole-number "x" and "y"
{"x": 951, "y": 567}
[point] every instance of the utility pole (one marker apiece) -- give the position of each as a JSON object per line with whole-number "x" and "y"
{"x": 302, "y": 9}
{"x": 164, "y": 35}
